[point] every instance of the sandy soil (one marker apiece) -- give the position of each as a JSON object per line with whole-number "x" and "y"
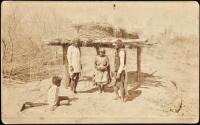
{"x": 170, "y": 95}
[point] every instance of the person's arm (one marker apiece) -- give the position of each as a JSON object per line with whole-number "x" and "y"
{"x": 122, "y": 57}
{"x": 107, "y": 62}
{"x": 69, "y": 58}
{"x": 49, "y": 87}
{"x": 95, "y": 63}
{"x": 105, "y": 66}
{"x": 80, "y": 57}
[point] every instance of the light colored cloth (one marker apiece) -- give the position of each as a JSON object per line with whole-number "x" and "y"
{"x": 101, "y": 75}
{"x": 74, "y": 59}
{"x": 122, "y": 60}
{"x": 53, "y": 95}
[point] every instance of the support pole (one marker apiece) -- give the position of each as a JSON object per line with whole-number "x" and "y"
{"x": 97, "y": 50}
{"x": 65, "y": 63}
{"x": 139, "y": 64}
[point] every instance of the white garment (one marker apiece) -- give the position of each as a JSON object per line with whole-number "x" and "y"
{"x": 74, "y": 59}
{"x": 122, "y": 58}
{"x": 53, "y": 95}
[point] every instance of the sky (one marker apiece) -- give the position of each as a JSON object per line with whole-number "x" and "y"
{"x": 145, "y": 17}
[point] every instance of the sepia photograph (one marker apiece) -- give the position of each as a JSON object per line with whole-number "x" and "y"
{"x": 99, "y": 62}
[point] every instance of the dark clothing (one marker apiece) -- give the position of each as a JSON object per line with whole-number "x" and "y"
{"x": 75, "y": 76}
{"x": 74, "y": 81}
{"x": 61, "y": 98}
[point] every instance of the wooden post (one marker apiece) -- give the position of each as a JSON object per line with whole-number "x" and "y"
{"x": 65, "y": 63}
{"x": 97, "y": 49}
{"x": 139, "y": 64}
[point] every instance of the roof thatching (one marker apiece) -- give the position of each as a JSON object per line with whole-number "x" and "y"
{"x": 102, "y": 30}
{"x": 101, "y": 34}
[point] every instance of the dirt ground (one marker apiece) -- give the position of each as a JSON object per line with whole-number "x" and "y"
{"x": 169, "y": 95}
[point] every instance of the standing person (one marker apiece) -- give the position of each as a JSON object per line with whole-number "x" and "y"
{"x": 120, "y": 62}
{"x": 101, "y": 75}
{"x": 74, "y": 61}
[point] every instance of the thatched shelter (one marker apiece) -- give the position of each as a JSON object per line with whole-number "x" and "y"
{"x": 102, "y": 35}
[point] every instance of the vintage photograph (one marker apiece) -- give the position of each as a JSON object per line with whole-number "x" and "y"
{"x": 99, "y": 62}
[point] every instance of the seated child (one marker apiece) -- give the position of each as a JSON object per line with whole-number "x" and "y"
{"x": 53, "y": 97}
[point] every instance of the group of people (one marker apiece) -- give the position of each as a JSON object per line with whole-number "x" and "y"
{"x": 102, "y": 75}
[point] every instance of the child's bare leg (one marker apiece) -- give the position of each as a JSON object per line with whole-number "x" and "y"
{"x": 122, "y": 91}
{"x": 61, "y": 98}
{"x": 104, "y": 86}
{"x": 31, "y": 104}
{"x": 76, "y": 82}
{"x": 116, "y": 89}
{"x": 35, "y": 104}
{"x": 72, "y": 84}
{"x": 69, "y": 84}
{"x": 75, "y": 85}
{"x": 100, "y": 90}
{"x": 126, "y": 91}
{"x": 95, "y": 84}
{"x": 93, "y": 80}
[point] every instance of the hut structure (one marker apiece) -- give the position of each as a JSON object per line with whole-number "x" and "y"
{"x": 102, "y": 35}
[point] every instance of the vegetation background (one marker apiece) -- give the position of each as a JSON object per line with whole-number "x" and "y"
{"x": 173, "y": 25}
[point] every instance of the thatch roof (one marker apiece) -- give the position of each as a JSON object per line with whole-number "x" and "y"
{"x": 102, "y": 30}
{"x": 101, "y": 34}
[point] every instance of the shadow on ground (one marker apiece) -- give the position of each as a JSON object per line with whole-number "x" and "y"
{"x": 90, "y": 90}
{"x": 95, "y": 89}
{"x": 133, "y": 94}
{"x": 147, "y": 81}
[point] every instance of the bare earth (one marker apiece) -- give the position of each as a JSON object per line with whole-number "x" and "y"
{"x": 169, "y": 95}
{"x": 170, "y": 88}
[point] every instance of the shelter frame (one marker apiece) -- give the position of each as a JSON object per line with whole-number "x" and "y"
{"x": 134, "y": 43}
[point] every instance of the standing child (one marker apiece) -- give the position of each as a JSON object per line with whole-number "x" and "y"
{"x": 53, "y": 96}
{"x": 101, "y": 75}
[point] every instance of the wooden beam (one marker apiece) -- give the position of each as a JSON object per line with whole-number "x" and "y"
{"x": 65, "y": 63}
{"x": 139, "y": 50}
{"x": 108, "y": 42}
